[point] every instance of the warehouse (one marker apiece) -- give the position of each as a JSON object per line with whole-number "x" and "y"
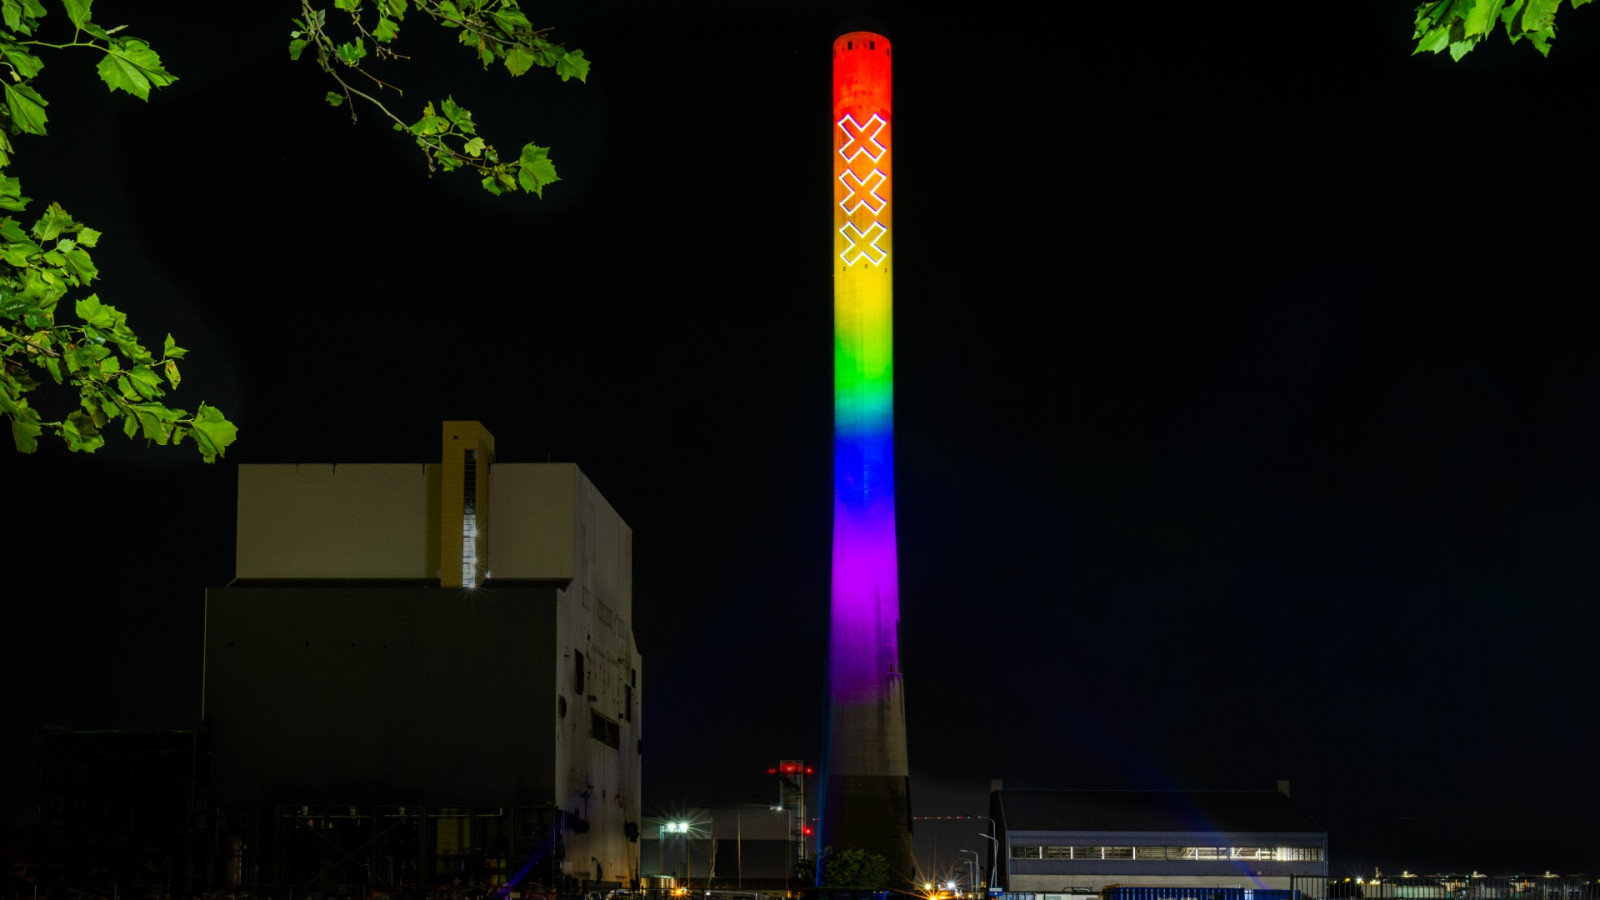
{"x": 1079, "y": 842}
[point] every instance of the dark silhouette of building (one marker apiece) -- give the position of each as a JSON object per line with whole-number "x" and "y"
{"x": 425, "y": 675}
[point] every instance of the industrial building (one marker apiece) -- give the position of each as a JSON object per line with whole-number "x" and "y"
{"x": 751, "y": 850}
{"x": 740, "y": 849}
{"x": 425, "y": 674}
{"x": 113, "y": 812}
{"x": 1079, "y": 842}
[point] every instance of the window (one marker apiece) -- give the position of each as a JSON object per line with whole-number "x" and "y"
{"x": 469, "y": 520}
{"x": 577, "y": 671}
{"x": 604, "y": 730}
{"x": 1285, "y": 854}
{"x": 627, "y": 702}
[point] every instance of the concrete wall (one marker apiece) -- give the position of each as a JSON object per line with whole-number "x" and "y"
{"x": 327, "y": 521}
{"x": 599, "y": 781}
{"x": 381, "y": 695}
{"x": 534, "y": 530}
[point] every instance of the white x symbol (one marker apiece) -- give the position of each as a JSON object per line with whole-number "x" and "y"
{"x": 863, "y": 192}
{"x": 861, "y": 139}
{"x": 863, "y": 245}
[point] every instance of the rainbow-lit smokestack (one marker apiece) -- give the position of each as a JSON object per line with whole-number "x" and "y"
{"x": 867, "y": 802}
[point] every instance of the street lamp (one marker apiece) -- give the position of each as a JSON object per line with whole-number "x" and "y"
{"x": 973, "y": 868}
{"x": 994, "y": 860}
{"x": 993, "y": 856}
{"x": 688, "y": 864}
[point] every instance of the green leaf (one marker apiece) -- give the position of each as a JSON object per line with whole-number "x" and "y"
{"x": 1480, "y": 19}
{"x": 512, "y": 21}
{"x": 146, "y": 384}
{"x": 333, "y": 99}
{"x": 458, "y": 116}
{"x": 297, "y": 47}
{"x": 77, "y": 11}
{"x": 26, "y": 107}
{"x": 95, "y": 313}
{"x": 11, "y": 195}
{"x": 1541, "y": 39}
{"x": 353, "y": 52}
{"x": 130, "y": 65}
{"x": 80, "y": 266}
{"x": 171, "y": 369}
{"x": 535, "y": 170}
{"x": 81, "y": 433}
{"x": 346, "y": 5}
{"x": 25, "y": 429}
{"x": 386, "y": 30}
{"x": 474, "y": 147}
{"x": 12, "y": 13}
{"x": 492, "y": 186}
{"x": 54, "y": 221}
{"x": 212, "y": 432}
{"x": 171, "y": 350}
{"x": 155, "y": 421}
{"x": 88, "y": 237}
{"x": 519, "y": 60}
{"x": 26, "y": 64}
{"x": 573, "y": 65}
{"x": 1538, "y": 15}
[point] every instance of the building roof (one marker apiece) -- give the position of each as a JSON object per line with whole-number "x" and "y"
{"x": 1207, "y": 811}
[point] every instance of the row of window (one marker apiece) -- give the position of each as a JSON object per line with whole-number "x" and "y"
{"x": 1280, "y": 854}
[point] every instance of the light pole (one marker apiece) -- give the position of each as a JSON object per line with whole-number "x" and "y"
{"x": 681, "y": 828}
{"x": 973, "y": 868}
{"x": 994, "y": 858}
{"x": 994, "y": 854}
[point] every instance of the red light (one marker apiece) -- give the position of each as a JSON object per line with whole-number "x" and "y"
{"x": 810, "y": 770}
{"x": 772, "y": 771}
{"x": 806, "y": 831}
{"x": 791, "y": 768}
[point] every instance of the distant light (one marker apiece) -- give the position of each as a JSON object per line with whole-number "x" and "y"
{"x": 675, "y": 827}
{"x": 806, "y": 831}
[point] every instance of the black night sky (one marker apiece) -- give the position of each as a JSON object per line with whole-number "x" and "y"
{"x": 1246, "y": 387}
